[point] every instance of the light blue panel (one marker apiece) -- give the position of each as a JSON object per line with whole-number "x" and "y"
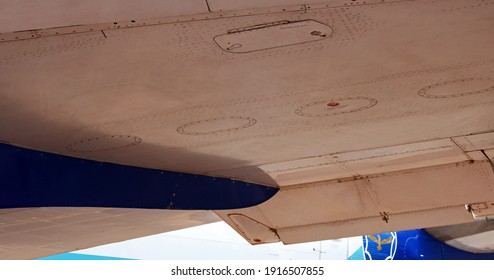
{"x": 74, "y": 256}
{"x": 357, "y": 255}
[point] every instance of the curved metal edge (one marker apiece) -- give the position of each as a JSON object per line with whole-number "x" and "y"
{"x": 30, "y": 178}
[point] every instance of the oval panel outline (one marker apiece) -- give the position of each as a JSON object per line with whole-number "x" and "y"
{"x": 423, "y": 91}
{"x": 183, "y": 128}
{"x": 134, "y": 140}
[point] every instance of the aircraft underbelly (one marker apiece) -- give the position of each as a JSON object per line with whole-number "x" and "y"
{"x": 369, "y": 117}
{"x": 167, "y": 96}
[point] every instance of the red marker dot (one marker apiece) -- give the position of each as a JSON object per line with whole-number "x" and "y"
{"x": 333, "y": 104}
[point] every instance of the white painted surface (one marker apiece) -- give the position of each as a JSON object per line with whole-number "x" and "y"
{"x": 219, "y": 241}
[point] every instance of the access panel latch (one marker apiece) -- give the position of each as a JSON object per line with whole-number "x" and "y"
{"x": 481, "y": 210}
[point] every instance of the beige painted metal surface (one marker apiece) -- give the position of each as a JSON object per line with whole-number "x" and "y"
{"x": 386, "y": 116}
{"x": 477, "y": 243}
{"x": 16, "y": 15}
{"x": 388, "y": 189}
{"x": 34, "y": 233}
{"x": 474, "y": 237}
{"x": 481, "y": 211}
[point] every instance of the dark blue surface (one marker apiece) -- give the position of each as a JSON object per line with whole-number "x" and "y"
{"x": 36, "y": 179}
{"x": 417, "y": 245}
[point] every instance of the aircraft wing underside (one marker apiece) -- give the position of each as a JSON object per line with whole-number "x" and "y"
{"x": 356, "y": 117}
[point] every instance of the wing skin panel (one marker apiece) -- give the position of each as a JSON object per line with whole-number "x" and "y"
{"x": 38, "y": 232}
{"x": 401, "y": 91}
{"x": 18, "y": 15}
{"x": 418, "y": 195}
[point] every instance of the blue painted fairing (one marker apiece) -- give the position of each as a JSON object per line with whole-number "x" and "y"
{"x": 414, "y": 245}
{"x": 36, "y": 179}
